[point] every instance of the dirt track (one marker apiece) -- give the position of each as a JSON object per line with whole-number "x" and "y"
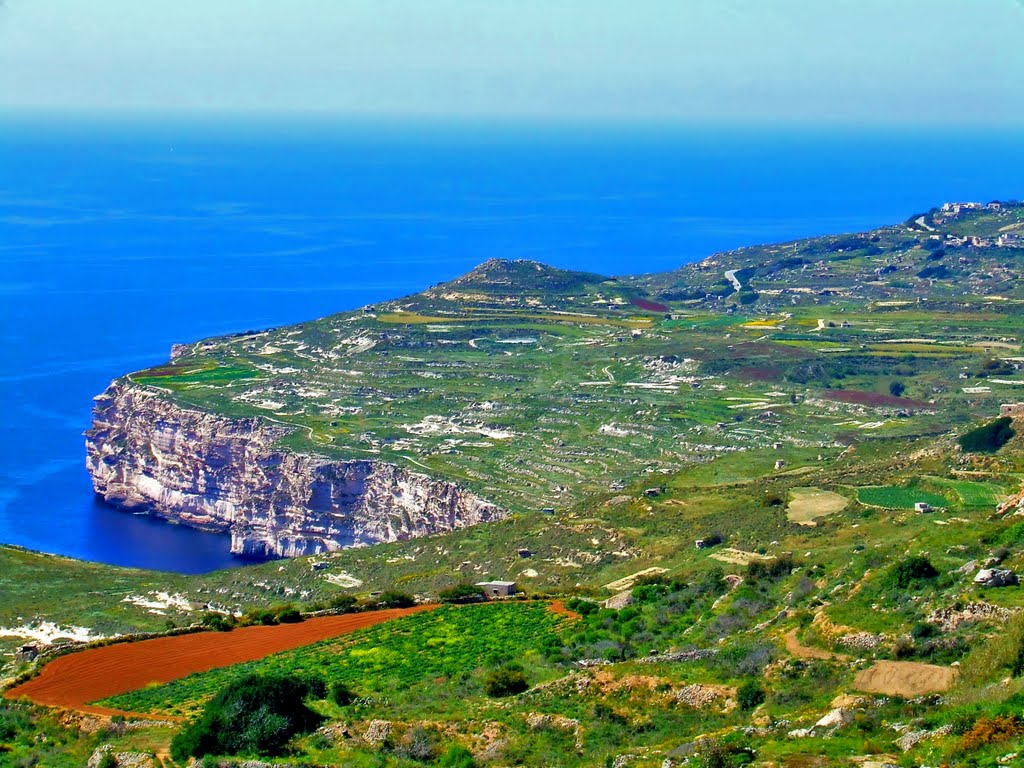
{"x": 74, "y": 680}
{"x": 801, "y": 651}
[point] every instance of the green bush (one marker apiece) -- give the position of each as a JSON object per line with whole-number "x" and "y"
{"x": 770, "y": 569}
{"x": 582, "y": 607}
{"x": 461, "y": 593}
{"x": 287, "y": 614}
{"x": 258, "y": 616}
{"x": 506, "y": 681}
{"x": 988, "y": 438}
{"x": 107, "y": 761}
{"x": 457, "y": 757}
{"x": 218, "y": 621}
{"x": 254, "y": 715}
{"x": 343, "y": 603}
{"x": 393, "y": 599}
{"x": 911, "y": 572}
{"x": 750, "y": 695}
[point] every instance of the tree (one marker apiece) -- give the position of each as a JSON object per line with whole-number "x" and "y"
{"x": 897, "y": 388}
{"x": 254, "y": 715}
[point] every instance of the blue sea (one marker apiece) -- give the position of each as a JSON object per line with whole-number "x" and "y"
{"x": 120, "y": 237}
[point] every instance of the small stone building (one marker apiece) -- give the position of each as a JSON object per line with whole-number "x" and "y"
{"x": 497, "y": 589}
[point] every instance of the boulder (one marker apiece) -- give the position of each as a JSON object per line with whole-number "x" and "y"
{"x": 995, "y": 577}
{"x": 837, "y": 718}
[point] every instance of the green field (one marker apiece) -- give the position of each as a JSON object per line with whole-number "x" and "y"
{"x": 897, "y": 497}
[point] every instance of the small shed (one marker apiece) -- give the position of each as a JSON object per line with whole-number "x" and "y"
{"x": 922, "y": 506}
{"x": 525, "y": 553}
{"x": 27, "y": 653}
{"x": 495, "y": 589}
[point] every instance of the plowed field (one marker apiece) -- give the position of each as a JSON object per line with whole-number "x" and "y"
{"x": 74, "y": 680}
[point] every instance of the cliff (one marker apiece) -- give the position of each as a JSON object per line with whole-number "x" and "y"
{"x": 221, "y": 474}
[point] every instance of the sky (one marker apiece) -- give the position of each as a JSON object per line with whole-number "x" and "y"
{"x": 946, "y": 61}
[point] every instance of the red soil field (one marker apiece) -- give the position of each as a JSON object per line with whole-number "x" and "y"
{"x": 650, "y": 306}
{"x": 874, "y": 398}
{"x": 74, "y": 680}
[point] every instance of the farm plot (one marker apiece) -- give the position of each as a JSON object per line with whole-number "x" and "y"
{"x": 383, "y": 659}
{"x": 79, "y": 678}
{"x": 898, "y": 497}
{"x": 808, "y": 504}
{"x": 971, "y": 493}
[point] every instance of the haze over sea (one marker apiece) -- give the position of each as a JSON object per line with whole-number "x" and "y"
{"x": 119, "y": 238}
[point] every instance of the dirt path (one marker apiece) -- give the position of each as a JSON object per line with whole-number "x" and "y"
{"x": 904, "y": 678}
{"x": 74, "y": 680}
{"x": 801, "y": 651}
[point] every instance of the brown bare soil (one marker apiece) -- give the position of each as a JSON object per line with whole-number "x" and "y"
{"x": 857, "y": 397}
{"x": 650, "y": 306}
{"x": 904, "y": 678}
{"x": 74, "y": 680}
{"x": 557, "y": 606}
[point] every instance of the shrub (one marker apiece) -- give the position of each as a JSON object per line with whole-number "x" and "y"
{"x": 991, "y": 730}
{"x": 923, "y": 630}
{"x": 506, "y": 681}
{"x": 393, "y": 599}
{"x": 343, "y": 603}
{"x": 457, "y": 757}
{"x": 341, "y": 694}
{"x": 218, "y": 621}
{"x": 258, "y": 616}
{"x": 988, "y": 438}
{"x": 418, "y": 744}
{"x": 911, "y": 572}
{"x": 107, "y": 761}
{"x": 771, "y": 569}
{"x": 461, "y": 593}
{"x": 287, "y": 614}
{"x": 254, "y": 715}
{"x": 582, "y": 607}
{"x": 750, "y": 695}
{"x": 897, "y": 388}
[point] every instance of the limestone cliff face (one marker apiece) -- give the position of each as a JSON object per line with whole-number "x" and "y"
{"x": 222, "y": 474}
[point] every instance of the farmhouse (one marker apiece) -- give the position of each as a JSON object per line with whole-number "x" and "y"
{"x": 494, "y": 589}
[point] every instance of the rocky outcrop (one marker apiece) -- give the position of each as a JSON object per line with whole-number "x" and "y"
{"x": 220, "y": 474}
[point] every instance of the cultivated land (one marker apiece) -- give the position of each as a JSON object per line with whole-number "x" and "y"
{"x": 620, "y": 420}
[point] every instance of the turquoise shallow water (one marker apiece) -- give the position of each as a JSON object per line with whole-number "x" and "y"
{"x": 118, "y": 239}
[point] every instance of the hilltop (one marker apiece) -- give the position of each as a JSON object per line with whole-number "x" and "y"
{"x": 961, "y": 251}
